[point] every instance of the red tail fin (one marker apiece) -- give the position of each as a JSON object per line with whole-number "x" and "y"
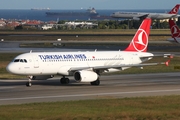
{"x": 174, "y": 29}
{"x": 140, "y": 41}
{"x": 175, "y": 9}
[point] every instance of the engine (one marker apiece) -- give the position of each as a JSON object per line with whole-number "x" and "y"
{"x": 41, "y": 77}
{"x": 85, "y": 76}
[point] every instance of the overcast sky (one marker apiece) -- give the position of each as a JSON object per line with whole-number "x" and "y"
{"x": 97, "y": 4}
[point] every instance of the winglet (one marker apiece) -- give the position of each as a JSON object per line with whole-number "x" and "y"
{"x": 167, "y": 63}
{"x": 139, "y": 42}
{"x": 171, "y": 56}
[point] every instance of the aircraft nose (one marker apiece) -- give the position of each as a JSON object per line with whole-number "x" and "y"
{"x": 10, "y": 68}
{"x": 112, "y": 15}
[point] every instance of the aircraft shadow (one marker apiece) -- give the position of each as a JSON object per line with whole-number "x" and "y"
{"x": 42, "y": 83}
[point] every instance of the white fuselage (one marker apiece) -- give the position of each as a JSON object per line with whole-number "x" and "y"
{"x": 61, "y": 63}
{"x": 135, "y": 15}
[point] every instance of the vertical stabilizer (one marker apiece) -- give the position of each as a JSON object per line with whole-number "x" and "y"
{"x": 175, "y": 9}
{"x": 139, "y": 42}
{"x": 175, "y": 32}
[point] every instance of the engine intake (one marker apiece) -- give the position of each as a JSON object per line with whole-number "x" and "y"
{"x": 85, "y": 76}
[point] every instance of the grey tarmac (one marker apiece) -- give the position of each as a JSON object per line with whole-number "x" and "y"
{"x": 112, "y": 86}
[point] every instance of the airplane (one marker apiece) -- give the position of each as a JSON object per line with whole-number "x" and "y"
{"x": 141, "y": 15}
{"x": 175, "y": 32}
{"x": 84, "y": 66}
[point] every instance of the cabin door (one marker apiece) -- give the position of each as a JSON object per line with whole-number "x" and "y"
{"x": 36, "y": 62}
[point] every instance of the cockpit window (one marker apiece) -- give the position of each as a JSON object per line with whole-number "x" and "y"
{"x": 20, "y": 60}
{"x": 16, "y": 60}
{"x": 25, "y": 60}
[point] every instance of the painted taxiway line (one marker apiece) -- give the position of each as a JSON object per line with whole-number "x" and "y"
{"x": 1, "y": 88}
{"x": 85, "y": 95}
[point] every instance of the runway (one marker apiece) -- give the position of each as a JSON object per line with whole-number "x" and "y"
{"x": 14, "y": 46}
{"x": 112, "y": 86}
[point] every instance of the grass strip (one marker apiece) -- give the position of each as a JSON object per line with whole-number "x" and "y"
{"x": 139, "y": 108}
{"x": 65, "y": 35}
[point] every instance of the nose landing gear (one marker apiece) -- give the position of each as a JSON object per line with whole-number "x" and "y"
{"x": 29, "y": 84}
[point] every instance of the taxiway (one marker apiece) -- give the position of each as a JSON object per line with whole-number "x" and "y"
{"x": 112, "y": 86}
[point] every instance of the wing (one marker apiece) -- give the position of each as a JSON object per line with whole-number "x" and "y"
{"x": 116, "y": 66}
{"x": 144, "y": 58}
{"x": 143, "y": 16}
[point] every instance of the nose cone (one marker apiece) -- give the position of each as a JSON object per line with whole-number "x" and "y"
{"x": 11, "y": 68}
{"x": 112, "y": 15}
{"x": 8, "y": 68}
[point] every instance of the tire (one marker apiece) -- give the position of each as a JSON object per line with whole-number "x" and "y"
{"x": 97, "y": 82}
{"x": 28, "y": 84}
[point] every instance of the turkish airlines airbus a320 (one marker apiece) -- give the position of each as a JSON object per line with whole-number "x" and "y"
{"x": 84, "y": 66}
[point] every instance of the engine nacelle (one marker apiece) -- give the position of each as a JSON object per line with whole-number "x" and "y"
{"x": 41, "y": 77}
{"x": 85, "y": 76}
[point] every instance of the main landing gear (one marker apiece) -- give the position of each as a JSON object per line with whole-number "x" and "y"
{"x": 64, "y": 80}
{"x": 97, "y": 82}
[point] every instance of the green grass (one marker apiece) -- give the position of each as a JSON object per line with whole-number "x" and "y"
{"x": 140, "y": 108}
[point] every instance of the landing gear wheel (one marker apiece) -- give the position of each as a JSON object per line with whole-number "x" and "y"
{"x": 61, "y": 81}
{"x": 28, "y": 84}
{"x": 67, "y": 80}
{"x": 64, "y": 80}
{"x": 97, "y": 82}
